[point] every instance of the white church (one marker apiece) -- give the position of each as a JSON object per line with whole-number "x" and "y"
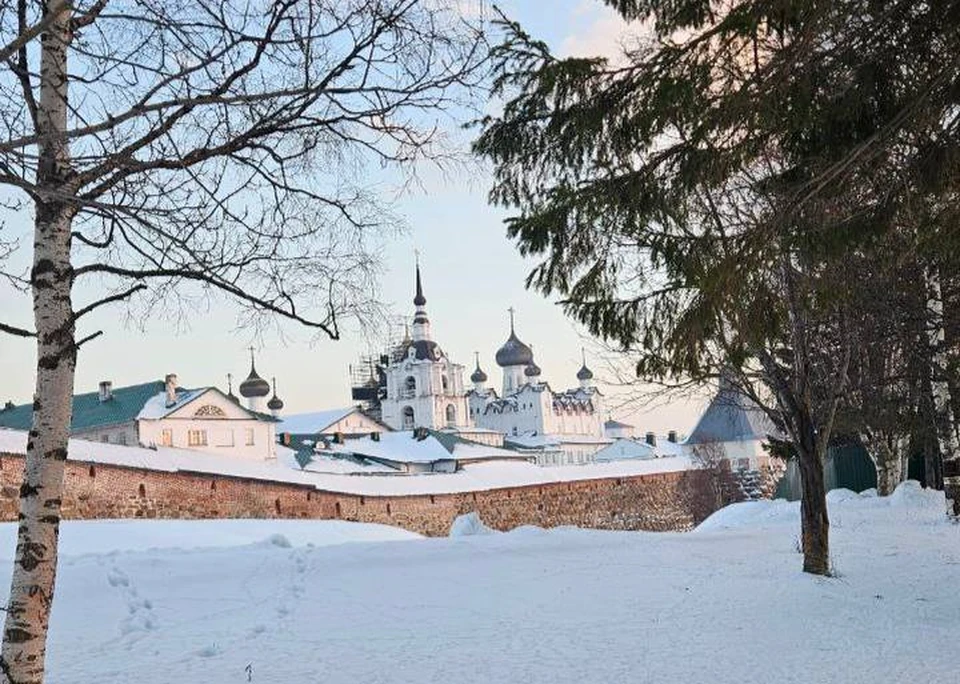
{"x": 424, "y": 388}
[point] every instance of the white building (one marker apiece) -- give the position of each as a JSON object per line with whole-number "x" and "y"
{"x": 423, "y": 387}
{"x": 566, "y": 426}
{"x": 161, "y": 413}
{"x": 345, "y": 421}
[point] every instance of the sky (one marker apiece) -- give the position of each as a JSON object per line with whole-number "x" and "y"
{"x": 471, "y": 273}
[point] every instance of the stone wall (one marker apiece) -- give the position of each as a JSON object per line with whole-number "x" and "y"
{"x": 658, "y": 502}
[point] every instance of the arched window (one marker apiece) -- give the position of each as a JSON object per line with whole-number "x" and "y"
{"x": 410, "y": 387}
{"x": 445, "y": 383}
{"x": 210, "y": 411}
{"x": 451, "y": 415}
{"x": 408, "y": 419}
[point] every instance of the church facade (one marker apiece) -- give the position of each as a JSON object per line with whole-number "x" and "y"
{"x": 561, "y": 426}
{"x": 421, "y": 387}
{"x": 424, "y": 388}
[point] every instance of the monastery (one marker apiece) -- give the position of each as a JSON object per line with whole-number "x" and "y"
{"x": 416, "y": 385}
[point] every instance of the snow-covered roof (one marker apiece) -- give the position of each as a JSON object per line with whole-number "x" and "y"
{"x": 552, "y": 441}
{"x": 624, "y": 449}
{"x": 156, "y": 407}
{"x": 405, "y": 447}
{"x": 313, "y": 423}
{"x": 533, "y": 441}
{"x": 473, "y": 477}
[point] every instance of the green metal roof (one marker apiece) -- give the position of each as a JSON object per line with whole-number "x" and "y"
{"x": 89, "y": 412}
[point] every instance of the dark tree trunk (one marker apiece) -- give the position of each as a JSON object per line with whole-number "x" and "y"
{"x": 814, "y": 521}
{"x": 927, "y": 436}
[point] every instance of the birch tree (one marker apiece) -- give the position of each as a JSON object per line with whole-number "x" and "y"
{"x": 169, "y": 149}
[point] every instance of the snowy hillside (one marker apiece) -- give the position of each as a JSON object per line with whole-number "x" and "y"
{"x": 273, "y": 601}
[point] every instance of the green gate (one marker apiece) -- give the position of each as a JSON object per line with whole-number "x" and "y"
{"x": 847, "y": 466}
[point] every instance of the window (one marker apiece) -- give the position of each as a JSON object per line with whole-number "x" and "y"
{"x": 196, "y": 438}
{"x": 105, "y": 439}
{"x": 408, "y": 419}
{"x": 250, "y": 439}
{"x": 445, "y": 383}
{"x": 409, "y": 388}
{"x": 166, "y": 437}
{"x": 210, "y": 411}
{"x": 122, "y": 438}
{"x": 451, "y": 415}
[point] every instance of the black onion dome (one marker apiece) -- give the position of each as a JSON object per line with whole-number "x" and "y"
{"x": 514, "y": 353}
{"x": 478, "y": 376}
{"x": 275, "y": 403}
{"x": 532, "y": 371}
{"x": 425, "y": 350}
{"x": 254, "y": 385}
{"x": 584, "y": 373}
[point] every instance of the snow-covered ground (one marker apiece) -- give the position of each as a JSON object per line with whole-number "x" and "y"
{"x": 726, "y": 603}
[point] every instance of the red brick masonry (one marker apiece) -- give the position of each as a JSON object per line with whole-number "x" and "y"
{"x": 657, "y": 502}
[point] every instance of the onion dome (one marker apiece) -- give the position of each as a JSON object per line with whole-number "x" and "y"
{"x": 478, "y": 375}
{"x": 254, "y": 385}
{"x": 532, "y": 371}
{"x": 424, "y": 350}
{"x": 514, "y": 352}
{"x": 584, "y": 373}
{"x": 275, "y": 403}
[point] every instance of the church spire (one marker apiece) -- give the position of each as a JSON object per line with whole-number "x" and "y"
{"x": 421, "y": 324}
{"x": 419, "y": 300}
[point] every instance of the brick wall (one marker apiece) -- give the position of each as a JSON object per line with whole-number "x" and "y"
{"x": 659, "y": 502}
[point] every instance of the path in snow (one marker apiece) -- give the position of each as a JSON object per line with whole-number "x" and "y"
{"x": 724, "y": 604}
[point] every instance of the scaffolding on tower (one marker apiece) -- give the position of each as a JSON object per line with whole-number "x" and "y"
{"x": 368, "y": 376}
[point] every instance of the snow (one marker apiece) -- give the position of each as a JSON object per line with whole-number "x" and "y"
{"x": 312, "y": 423}
{"x": 396, "y": 446}
{"x": 725, "y": 604}
{"x": 156, "y": 406}
{"x": 469, "y": 524}
{"x": 106, "y": 537}
{"x": 372, "y": 481}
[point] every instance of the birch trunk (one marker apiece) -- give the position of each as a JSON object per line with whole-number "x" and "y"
{"x": 943, "y": 403}
{"x": 34, "y": 572}
{"x": 886, "y": 455}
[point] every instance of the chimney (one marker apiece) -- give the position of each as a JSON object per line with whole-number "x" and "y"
{"x": 651, "y": 439}
{"x": 106, "y": 390}
{"x": 170, "y": 381}
{"x": 375, "y": 436}
{"x": 672, "y": 436}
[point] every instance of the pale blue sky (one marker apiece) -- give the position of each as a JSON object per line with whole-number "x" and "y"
{"x": 471, "y": 272}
